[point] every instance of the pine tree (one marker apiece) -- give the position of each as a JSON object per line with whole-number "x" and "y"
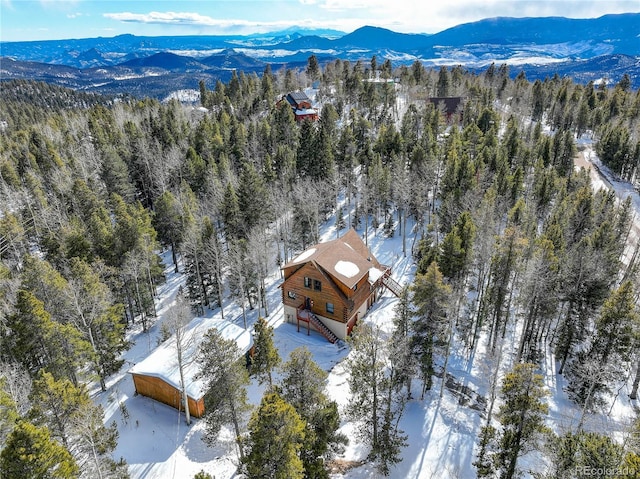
{"x": 306, "y": 156}
{"x": 168, "y": 223}
{"x": 537, "y": 100}
{"x": 571, "y": 453}
{"x": 265, "y": 355}
{"x": 521, "y": 416}
{"x": 303, "y": 386}
{"x": 54, "y": 403}
{"x": 374, "y": 381}
{"x": 225, "y": 379}
{"x": 313, "y": 68}
{"x": 504, "y": 266}
{"x": 195, "y": 171}
{"x": 231, "y": 213}
{"x": 134, "y": 232}
{"x": 240, "y": 280}
{"x": 276, "y": 436}
{"x": 9, "y": 410}
{"x": 444, "y": 82}
{"x": 457, "y": 247}
{"x": 99, "y": 320}
{"x": 73, "y": 419}
{"x": 539, "y": 298}
{"x": 323, "y": 165}
{"x": 254, "y": 202}
{"x": 213, "y": 259}
{"x": 430, "y": 297}
{"x": 484, "y": 462}
{"x": 400, "y": 347}
{"x": 615, "y": 149}
{"x": 603, "y": 363}
{"x": 38, "y": 342}
{"x": 266, "y": 85}
{"x": 31, "y": 452}
{"x": 340, "y": 221}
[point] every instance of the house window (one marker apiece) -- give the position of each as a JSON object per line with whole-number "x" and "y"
{"x": 317, "y": 285}
{"x": 307, "y": 282}
{"x": 330, "y": 308}
{"x": 292, "y": 294}
{"x": 355, "y": 286}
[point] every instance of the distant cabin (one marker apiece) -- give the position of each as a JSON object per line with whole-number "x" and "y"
{"x": 301, "y": 105}
{"x": 451, "y": 107}
{"x": 331, "y": 285}
{"x": 158, "y": 375}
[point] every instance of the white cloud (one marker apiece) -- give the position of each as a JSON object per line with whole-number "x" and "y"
{"x": 198, "y": 20}
{"x": 398, "y": 15}
{"x": 190, "y": 18}
{"x": 177, "y": 18}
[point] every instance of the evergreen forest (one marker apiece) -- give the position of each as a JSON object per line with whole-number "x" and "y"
{"x": 513, "y": 248}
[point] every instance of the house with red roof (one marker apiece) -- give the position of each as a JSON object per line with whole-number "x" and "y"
{"x": 301, "y": 105}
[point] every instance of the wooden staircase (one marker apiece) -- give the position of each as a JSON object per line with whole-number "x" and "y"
{"x": 322, "y": 329}
{"x": 391, "y": 284}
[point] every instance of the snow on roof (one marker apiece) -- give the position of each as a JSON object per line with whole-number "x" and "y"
{"x": 375, "y": 274}
{"x": 307, "y": 111}
{"x": 347, "y": 258}
{"x": 347, "y": 268}
{"x": 163, "y": 361}
{"x": 304, "y": 255}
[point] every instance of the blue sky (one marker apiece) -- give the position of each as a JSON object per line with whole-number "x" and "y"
{"x": 60, "y": 19}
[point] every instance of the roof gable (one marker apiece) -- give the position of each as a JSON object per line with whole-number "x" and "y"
{"x": 347, "y": 259}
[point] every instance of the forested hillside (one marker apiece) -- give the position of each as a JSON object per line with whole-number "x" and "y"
{"x": 509, "y": 237}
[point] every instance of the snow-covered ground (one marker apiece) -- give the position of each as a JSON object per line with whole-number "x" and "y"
{"x": 601, "y": 177}
{"x": 442, "y": 432}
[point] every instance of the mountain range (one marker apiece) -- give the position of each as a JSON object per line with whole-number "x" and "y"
{"x": 584, "y": 49}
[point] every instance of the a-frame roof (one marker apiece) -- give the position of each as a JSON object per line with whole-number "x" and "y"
{"x": 347, "y": 259}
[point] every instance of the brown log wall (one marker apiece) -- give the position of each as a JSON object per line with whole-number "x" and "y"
{"x": 330, "y": 293}
{"x": 155, "y": 388}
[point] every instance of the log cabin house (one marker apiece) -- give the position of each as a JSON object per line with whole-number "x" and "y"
{"x": 331, "y": 285}
{"x": 301, "y": 105}
{"x": 158, "y": 375}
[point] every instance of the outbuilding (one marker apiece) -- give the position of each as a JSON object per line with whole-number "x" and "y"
{"x": 158, "y": 375}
